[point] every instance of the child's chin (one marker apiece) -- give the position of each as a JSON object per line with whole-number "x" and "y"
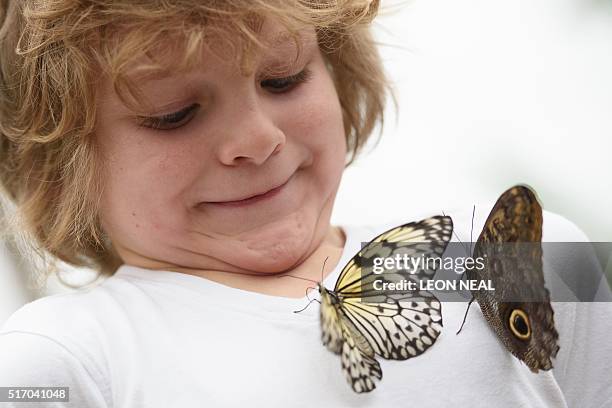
{"x": 274, "y": 256}
{"x": 274, "y": 259}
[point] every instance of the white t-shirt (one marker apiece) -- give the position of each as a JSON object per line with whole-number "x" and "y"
{"x": 164, "y": 339}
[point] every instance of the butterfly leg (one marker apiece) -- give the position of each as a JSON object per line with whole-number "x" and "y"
{"x": 305, "y": 307}
{"x": 466, "y": 313}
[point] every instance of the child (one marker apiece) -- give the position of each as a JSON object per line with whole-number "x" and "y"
{"x": 192, "y": 151}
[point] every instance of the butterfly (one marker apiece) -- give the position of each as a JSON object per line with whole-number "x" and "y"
{"x": 360, "y": 322}
{"x": 519, "y": 309}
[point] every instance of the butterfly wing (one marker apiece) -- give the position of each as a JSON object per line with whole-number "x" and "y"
{"x": 339, "y": 335}
{"x": 397, "y": 329}
{"x": 425, "y": 238}
{"x": 397, "y": 324}
{"x": 525, "y": 326}
{"x": 331, "y": 328}
{"x": 358, "y": 363}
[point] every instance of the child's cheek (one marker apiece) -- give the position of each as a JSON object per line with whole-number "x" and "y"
{"x": 138, "y": 178}
{"x": 319, "y": 117}
{"x": 325, "y": 127}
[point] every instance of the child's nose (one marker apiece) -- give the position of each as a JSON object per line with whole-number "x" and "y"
{"x": 252, "y": 138}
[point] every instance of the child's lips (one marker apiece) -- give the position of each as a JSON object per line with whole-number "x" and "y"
{"x": 252, "y": 199}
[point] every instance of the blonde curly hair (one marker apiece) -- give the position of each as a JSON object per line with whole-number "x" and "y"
{"x": 54, "y": 52}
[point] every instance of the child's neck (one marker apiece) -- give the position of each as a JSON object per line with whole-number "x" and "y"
{"x": 279, "y": 284}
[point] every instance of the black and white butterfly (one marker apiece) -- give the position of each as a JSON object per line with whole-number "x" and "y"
{"x": 360, "y": 322}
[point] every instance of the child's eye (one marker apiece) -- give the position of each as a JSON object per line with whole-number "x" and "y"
{"x": 280, "y": 85}
{"x": 170, "y": 121}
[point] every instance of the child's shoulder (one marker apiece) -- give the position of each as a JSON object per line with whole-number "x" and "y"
{"x": 54, "y": 340}
{"x": 555, "y": 228}
{"x": 371, "y": 230}
{"x": 469, "y": 221}
{"x": 56, "y": 314}
{"x": 80, "y": 314}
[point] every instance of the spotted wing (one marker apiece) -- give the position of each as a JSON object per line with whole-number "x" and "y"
{"x": 358, "y": 363}
{"x": 398, "y": 324}
{"x": 423, "y": 239}
{"x": 519, "y": 310}
{"x": 331, "y": 328}
{"x": 397, "y": 329}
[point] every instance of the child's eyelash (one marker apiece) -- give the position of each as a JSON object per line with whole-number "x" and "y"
{"x": 178, "y": 119}
{"x": 169, "y": 121}
{"x": 289, "y": 81}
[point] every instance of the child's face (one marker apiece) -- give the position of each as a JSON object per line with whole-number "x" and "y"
{"x": 172, "y": 197}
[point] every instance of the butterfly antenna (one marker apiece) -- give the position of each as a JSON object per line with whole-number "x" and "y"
{"x": 306, "y": 307}
{"x": 472, "y": 230}
{"x": 310, "y": 287}
{"x": 298, "y": 277}
{"x": 459, "y": 239}
{"x": 466, "y": 313}
{"x": 323, "y": 268}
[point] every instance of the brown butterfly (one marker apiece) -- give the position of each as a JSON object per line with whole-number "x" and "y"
{"x": 519, "y": 309}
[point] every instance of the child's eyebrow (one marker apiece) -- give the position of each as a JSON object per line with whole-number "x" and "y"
{"x": 305, "y": 34}
{"x": 272, "y": 63}
{"x": 276, "y": 64}
{"x": 281, "y": 60}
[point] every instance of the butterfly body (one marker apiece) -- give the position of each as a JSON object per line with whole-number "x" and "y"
{"x": 340, "y": 336}
{"x": 360, "y": 323}
{"x": 519, "y": 309}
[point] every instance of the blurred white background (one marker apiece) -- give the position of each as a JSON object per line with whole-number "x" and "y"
{"x": 491, "y": 93}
